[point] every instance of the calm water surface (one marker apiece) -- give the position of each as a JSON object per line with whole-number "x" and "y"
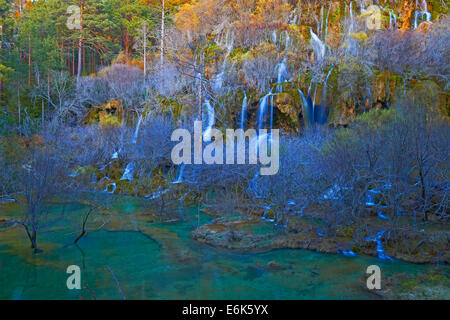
{"x": 160, "y": 261}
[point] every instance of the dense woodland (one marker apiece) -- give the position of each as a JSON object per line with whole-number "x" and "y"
{"x": 363, "y": 113}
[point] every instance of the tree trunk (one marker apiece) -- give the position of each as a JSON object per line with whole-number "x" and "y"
{"x": 145, "y": 50}
{"x": 32, "y": 236}
{"x": 33, "y": 240}
{"x": 163, "y": 22}
{"x": 408, "y": 8}
{"x": 48, "y": 91}
{"x": 424, "y": 194}
{"x": 18, "y": 107}
{"x": 80, "y": 48}
{"x": 79, "y": 60}
{"x": 73, "y": 58}
{"x": 29, "y": 61}
{"x": 200, "y": 102}
{"x": 43, "y": 113}
{"x": 1, "y": 44}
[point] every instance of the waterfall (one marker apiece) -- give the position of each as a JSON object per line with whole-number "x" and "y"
{"x": 263, "y": 109}
{"x": 320, "y": 117}
{"x": 294, "y": 20}
{"x": 128, "y": 174}
{"x": 293, "y": 17}
{"x": 211, "y": 121}
{"x": 282, "y": 69}
{"x": 274, "y": 37}
{"x": 392, "y": 19}
{"x": 218, "y": 83}
{"x": 307, "y": 107}
{"x": 136, "y": 132}
{"x": 380, "y": 250}
{"x": 318, "y": 46}
{"x": 326, "y": 23}
{"x": 313, "y": 113}
{"x": 314, "y": 104}
{"x": 114, "y": 187}
{"x": 271, "y": 119}
{"x": 351, "y": 17}
{"x": 288, "y": 42}
{"x": 421, "y": 13}
{"x": 244, "y": 112}
{"x": 180, "y": 175}
{"x": 320, "y": 31}
{"x": 326, "y": 85}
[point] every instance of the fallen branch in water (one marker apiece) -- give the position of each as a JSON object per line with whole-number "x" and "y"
{"x": 117, "y": 283}
{"x": 83, "y": 230}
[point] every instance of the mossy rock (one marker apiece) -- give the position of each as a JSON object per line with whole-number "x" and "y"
{"x": 109, "y": 114}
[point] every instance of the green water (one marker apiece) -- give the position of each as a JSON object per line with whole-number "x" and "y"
{"x": 165, "y": 263}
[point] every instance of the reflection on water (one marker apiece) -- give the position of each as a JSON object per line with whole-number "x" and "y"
{"x": 160, "y": 261}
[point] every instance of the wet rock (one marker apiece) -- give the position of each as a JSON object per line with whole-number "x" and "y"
{"x": 108, "y": 114}
{"x": 274, "y": 265}
{"x": 424, "y": 27}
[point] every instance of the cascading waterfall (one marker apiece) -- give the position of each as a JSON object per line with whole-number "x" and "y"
{"x": 380, "y": 249}
{"x": 421, "y": 13}
{"x": 263, "y": 106}
{"x": 352, "y": 20}
{"x": 320, "y": 31}
{"x": 326, "y": 23}
{"x": 271, "y": 121}
{"x": 314, "y": 103}
{"x": 129, "y": 170}
{"x": 392, "y": 19}
{"x": 288, "y": 42}
{"x": 111, "y": 188}
{"x": 295, "y": 16}
{"x": 281, "y": 74}
{"x": 211, "y": 121}
{"x": 326, "y": 85}
{"x": 244, "y": 112}
{"x": 318, "y": 46}
{"x": 128, "y": 174}
{"x": 138, "y": 127}
{"x": 218, "y": 83}
{"x": 180, "y": 174}
{"x": 306, "y": 106}
{"x": 323, "y": 118}
{"x": 310, "y": 87}
{"x": 315, "y": 114}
